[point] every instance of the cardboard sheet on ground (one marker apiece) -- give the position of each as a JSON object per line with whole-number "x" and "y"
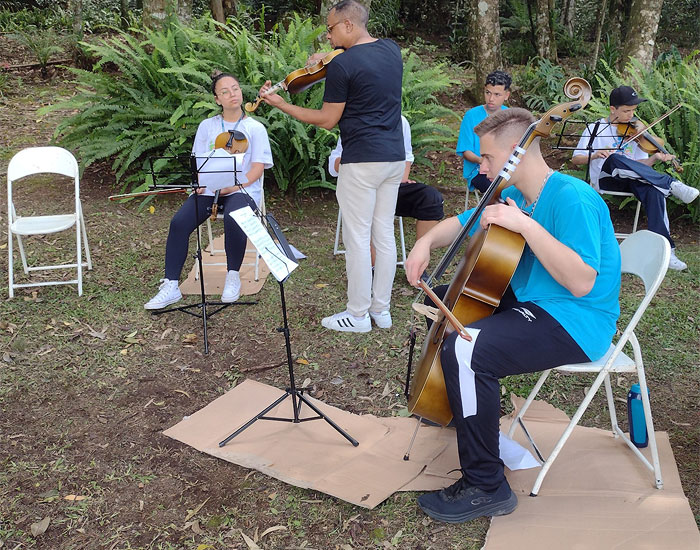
{"x": 597, "y": 494}
{"x": 215, "y": 272}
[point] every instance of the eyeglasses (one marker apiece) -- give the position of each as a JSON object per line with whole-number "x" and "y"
{"x": 329, "y": 28}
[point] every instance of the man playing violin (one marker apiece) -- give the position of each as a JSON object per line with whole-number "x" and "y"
{"x": 561, "y": 307}
{"x": 617, "y": 164}
{"x": 362, "y": 96}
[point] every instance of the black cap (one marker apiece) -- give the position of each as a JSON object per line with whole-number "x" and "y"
{"x": 624, "y": 95}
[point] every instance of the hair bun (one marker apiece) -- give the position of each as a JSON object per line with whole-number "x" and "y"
{"x": 215, "y": 73}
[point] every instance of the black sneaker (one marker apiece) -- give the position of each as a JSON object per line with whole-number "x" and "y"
{"x": 459, "y": 502}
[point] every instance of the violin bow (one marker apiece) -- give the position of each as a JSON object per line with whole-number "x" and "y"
{"x": 146, "y": 193}
{"x": 640, "y": 132}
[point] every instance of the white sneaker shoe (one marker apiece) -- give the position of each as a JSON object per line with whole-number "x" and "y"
{"x": 232, "y": 287}
{"x": 168, "y": 293}
{"x": 344, "y": 322}
{"x": 684, "y": 192}
{"x": 676, "y": 264}
{"x": 381, "y": 319}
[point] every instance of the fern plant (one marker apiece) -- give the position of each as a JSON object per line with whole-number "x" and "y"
{"x": 149, "y": 90}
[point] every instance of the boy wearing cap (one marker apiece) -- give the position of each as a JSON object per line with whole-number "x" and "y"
{"x": 615, "y": 166}
{"x": 496, "y": 92}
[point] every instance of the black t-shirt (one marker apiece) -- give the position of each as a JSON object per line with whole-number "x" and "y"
{"x": 367, "y": 78}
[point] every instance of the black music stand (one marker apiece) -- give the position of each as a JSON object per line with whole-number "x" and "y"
{"x": 195, "y": 168}
{"x": 297, "y": 394}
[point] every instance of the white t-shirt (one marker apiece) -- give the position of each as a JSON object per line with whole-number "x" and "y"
{"x": 606, "y": 138}
{"x": 337, "y": 152}
{"x": 258, "y": 148}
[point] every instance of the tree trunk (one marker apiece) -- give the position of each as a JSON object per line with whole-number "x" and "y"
{"x": 546, "y": 45}
{"x": 616, "y": 17}
{"x": 155, "y": 12}
{"x": 124, "y": 13}
{"x": 641, "y": 38}
{"x": 217, "y": 11}
{"x": 76, "y": 10}
{"x": 599, "y": 27}
{"x": 230, "y": 8}
{"x": 486, "y": 41}
{"x": 567, "y": 16}
{"x": 184, "y": 10}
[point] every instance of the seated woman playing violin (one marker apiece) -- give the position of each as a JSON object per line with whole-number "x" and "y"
{"x": 561, "y": 306}
{"x": 231, "y": 122}
{"x": 619, "y": 164}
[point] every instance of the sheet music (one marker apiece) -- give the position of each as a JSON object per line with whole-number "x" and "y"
{"x": 280, "y": 266}
{"x": 217, "y": 169}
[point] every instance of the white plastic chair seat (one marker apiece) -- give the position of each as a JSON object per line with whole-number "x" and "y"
{"x": 40, "y": 225}
{"x": 619, "y": 234}
{"x": 621, "y": 363}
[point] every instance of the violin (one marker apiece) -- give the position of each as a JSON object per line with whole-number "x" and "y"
{"x": 635, "y": 129}
{"x": 233, "y": 142}
{"x": 299, "y": 80}
{"x": 485, "y": 271}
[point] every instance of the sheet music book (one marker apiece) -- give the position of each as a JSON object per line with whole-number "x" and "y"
{"x": 217, "y": 170}
{"x": 280, "y": 266}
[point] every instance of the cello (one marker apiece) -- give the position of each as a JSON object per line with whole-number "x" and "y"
{"x": 485, "y": 271}
{"x": 299, "y": 80}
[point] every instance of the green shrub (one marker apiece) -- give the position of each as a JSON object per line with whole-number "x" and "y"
{"x": 42, "y": 43}
{"x": 671, "y": 80}
{"x": 540, "y": 83}
{"x": 147, "y": 94}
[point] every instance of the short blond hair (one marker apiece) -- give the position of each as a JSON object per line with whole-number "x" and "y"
{"x": 505, "y": 122}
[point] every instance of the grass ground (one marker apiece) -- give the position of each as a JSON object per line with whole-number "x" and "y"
{"x": 87, "y": 384}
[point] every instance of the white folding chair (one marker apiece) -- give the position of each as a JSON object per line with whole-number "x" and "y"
{"x": 621, "y": 235}
{"x": 644, "y": 254}
{"x": 213, "y": 251}
{"x": 402, "y": 240}
{"x": 45, "y": 160}
{"x": 466, "y": 198}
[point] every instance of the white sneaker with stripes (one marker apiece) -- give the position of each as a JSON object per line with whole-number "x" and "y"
{"x": 345, "y": 322}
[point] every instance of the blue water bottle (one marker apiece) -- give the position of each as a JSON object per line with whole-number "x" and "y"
{"x": 635, "y": 416}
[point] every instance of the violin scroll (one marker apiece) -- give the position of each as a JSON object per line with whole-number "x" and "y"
{"x": 577, "y": 89}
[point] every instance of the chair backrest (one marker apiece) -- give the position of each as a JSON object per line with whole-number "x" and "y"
{"x": 42, "y": 160}
{"x": 646, "y": 255}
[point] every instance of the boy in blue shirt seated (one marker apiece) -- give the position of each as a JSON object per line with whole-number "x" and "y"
{"x": 561, "y": 307}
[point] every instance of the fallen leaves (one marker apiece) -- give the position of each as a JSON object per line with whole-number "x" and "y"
{"x": 40, "y": 527}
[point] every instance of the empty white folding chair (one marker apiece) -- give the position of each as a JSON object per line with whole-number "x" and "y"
{"x": 45, "y": 160}
{"x": 644, "y": 254}
{"x": 619, "y": 234}
{"x": 402, "y": 240}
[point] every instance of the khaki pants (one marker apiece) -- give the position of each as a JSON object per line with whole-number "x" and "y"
{"x": 366, "y": 194}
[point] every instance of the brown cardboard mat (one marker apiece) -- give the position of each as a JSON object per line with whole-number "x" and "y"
{"x": 215, "y": 271}
{"x": 596, "y": 496}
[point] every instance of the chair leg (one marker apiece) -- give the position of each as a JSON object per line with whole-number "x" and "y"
{"x": 79, "y": 258}
{"x": 86, "y": 246}
{"x": 336, "y": 245}
{"x": 611, "y": 406}
{"x": 636, "y": 217}
{"x": 567, "y": 432}
{"x": 528, "y": 402}
{"x": 210, "y": 235}
{"x": 402, "y": 240}
{"x": 10, "y": 273}
{"x": 22, "y": 254}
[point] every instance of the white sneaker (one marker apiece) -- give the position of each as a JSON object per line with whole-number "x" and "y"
{"x": 344, "y": 322}
{"x": 381, "y": 319}
{"x": 676, "y": 264}
{"x": 232, "y": 287}
{"x": 168, "y": 293}
{"x": 684, "y": 192}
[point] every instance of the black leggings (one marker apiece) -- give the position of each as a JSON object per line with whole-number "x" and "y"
{"x": 184, "y": 222}
{"x": 519, "y": 337}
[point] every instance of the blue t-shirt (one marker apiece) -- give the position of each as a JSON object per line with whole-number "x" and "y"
{"x": 574, "y": 214}
{"x": 367, "y": 78}
{"x": 469, "y": 141}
